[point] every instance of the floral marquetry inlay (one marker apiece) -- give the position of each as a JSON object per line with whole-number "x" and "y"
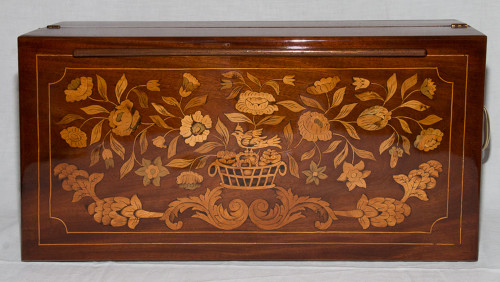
{"x": 201, "y": 136}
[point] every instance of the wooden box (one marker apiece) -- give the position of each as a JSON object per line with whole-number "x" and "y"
{"x": 251, "y": 141}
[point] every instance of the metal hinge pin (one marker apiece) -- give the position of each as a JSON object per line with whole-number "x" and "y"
{"x": 459, "y": 25}
{"x": 54, "y": 26}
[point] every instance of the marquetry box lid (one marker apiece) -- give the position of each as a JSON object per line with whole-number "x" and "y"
{"x": 251, "y": 141}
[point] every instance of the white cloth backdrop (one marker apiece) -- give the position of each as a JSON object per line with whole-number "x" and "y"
{"x": 20, "y": 16}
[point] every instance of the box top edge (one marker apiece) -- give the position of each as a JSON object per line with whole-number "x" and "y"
{"x": 374, "y": 28}
{"x": 258, "y": 24}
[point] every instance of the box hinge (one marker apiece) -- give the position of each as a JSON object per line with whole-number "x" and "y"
{"x": 459, "y": 25}
{"x": 53, "y": 26}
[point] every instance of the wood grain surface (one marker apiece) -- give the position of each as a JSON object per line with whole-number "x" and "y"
{"x": 130, "y": 153}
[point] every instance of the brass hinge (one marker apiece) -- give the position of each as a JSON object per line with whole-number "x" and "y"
{"x": 459, "y": 25}
{"x": 54, "y": 26}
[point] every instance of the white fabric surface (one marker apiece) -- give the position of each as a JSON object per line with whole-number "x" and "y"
{"x": 20, "y": 16}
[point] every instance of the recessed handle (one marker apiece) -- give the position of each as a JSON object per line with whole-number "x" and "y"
{"x": 137, "y": 52}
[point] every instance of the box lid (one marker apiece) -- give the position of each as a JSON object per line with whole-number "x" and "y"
{"x": 262, "y": 29}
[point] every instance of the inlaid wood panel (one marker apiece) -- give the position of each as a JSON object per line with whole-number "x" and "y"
{"x": 250, "y": 157}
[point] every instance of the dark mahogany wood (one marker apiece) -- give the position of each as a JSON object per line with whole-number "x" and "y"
{"x": 288, "y": 79}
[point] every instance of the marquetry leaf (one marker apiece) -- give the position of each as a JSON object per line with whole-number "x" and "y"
{"x": 364, "y": 221}
{"x": 291, "y": 105}
{"x": 222, "y": 130}
{"x": 416, "y": 105}
{"x": 293, "y": 166}
{"x": 142, "y": 96}
{"x": 338, "y": 97}
{"x": 287, "y": 131}
{"x": 69, "y": 118}
{"x": 274, "y": 85}
{"x": 170, "y": 101}
{"x": 196, "y": 101}
{"x": 81, "y": 184}
{"x": 271, "y": 120}
{"x": 159, "y": 122}
{"x": 94, "y": 178}
{"x": 369, "y": 95}
{"x": 172, "y": 147}
{"x": 95, "y": 155}
{"x": 236, "y": 90}
{"x": 161, "y": 110}
{"x": 94, "y": 110}
{"x": 180, "y": 163}
{"x": 202, "y": 162}
{"x": 253, "y": 79}
{"x": 404, "y": 125}
{"x": 131, "y": 223}
{"x": 392, "y": 84}
{"x": 406, "y": 145}
{"x": 117, "y": 147}
{"x": 143, "y": 142}
{"x": 233, "y": 74}
{"x": 311, "y": 102}
{"x": 346, "y": 110}
{"x": 127, "y": 166}
{"x": 102, "y": 87}
{"x": 237, "y": 117}
{"x": 420, "y": 194}
{"x": 431, "y": 119}
{"x": 78, "y": 195}
{"x": 135, "y": 202}
{"x": 120, "y": 87}
{"x": 309, "y": 154}
{"x": 362, "y": 202}
{"x": 332, "y": 146}
{"x": 387, "y": 143}
{"x": 226, "y": 84}
{"x": 401, "y": 179}
{"x": 407, "y": 84}
{"x": 207, "y": 147}
{"x": 341, "y": 156}
{"x": 350, "y": 130}
{"x": 363, "y": 154}
{"x": 95, "y": 136}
